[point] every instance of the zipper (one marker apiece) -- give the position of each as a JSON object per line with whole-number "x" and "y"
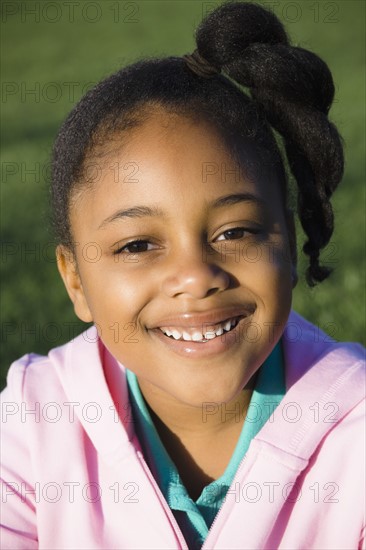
{"x": 170, "y": 514}
{"x": 220, "y": 512}
{"x": 163, "y": 502}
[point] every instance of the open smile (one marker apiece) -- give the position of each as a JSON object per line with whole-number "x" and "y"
{"x": 187, "y": 337}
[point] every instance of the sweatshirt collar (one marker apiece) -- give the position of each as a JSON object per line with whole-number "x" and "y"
{"x": 268, "y": 392}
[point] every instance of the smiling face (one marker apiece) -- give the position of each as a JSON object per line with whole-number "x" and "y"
{"x": 183, "y": 262}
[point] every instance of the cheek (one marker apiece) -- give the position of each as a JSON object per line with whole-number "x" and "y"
{"x": 277, "y": 275}
{"x": 265, "y": 271}
{"x": 267, "y": 265}
{"x": 115, "y": 293}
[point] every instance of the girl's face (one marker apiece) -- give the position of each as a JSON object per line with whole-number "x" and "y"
{"x": 183, "y": 262}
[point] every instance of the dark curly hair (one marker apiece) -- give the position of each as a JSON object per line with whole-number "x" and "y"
{"x": 291, "y": 91}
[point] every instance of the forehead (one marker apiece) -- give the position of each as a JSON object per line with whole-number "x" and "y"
{"x": 180, "y": 146}
{"x": 192, "y": 143}
{"x": 179, "y": 161}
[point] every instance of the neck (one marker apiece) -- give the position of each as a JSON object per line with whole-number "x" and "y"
{"x": 205, "y": 421}
{"x": 200, "y": 442}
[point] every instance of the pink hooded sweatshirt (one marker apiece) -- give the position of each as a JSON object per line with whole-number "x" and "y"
{"x": 74, "y": 476}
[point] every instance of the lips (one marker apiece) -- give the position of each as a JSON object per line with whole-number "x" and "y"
{"x": 203, "y": 335}
{"x": 202, "y": 326}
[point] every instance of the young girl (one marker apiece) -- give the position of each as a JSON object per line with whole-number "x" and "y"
{"x": 199, "y": 411}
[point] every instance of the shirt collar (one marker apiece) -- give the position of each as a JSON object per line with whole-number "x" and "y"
{"x": 268, "y": 392}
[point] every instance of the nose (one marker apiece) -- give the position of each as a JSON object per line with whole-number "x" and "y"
{"x": 195, "y": 278}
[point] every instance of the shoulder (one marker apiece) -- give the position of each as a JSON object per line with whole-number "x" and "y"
{"x": 325, "y": 387}
{"x": 307, "y": 347}
{"x": 299, "y": 329}
{"x": 81, "y": 374}
{"x": 322, "y": 413}
{"x": 33, "y": 376}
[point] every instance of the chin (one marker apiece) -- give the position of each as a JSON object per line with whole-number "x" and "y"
{"x": 217, "y": 389}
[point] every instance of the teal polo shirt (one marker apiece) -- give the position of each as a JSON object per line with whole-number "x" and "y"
{"x": 196, "y": 517}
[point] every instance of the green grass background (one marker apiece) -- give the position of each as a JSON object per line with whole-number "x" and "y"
{"x": 35, "y": 310}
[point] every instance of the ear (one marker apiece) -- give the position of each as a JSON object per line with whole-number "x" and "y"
{"x": 66, "y": 263}
{"x": 291, "y": 229}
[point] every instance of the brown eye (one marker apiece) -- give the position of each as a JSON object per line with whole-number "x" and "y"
{"x": 237, "y": 233}
{"x": 232, "y": 234}
{"x": 135, "y": 247}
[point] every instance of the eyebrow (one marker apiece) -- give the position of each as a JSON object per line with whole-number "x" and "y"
{"x": 155, "y": 211}
{"x": 134, "y": 212}
{"x": 236, "y": 199}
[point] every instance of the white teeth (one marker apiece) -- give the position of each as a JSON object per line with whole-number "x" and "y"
{"x": 227, "y": 327}
{"x": 198, "y": 336}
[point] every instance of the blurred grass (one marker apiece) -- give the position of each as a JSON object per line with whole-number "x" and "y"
{"x": 35, "y": 310}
